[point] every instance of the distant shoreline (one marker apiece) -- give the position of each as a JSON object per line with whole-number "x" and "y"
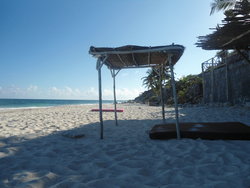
{"x": 45, "y": 103}
{"x": 42, "y": 107}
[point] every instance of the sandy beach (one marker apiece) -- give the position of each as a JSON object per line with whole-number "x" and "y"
{"x": 36, "y": 149}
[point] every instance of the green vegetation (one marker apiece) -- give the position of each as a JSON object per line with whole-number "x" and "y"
{"x": 228, "y": 6}
{"x": 154, "y": 81}
{"x": 218, "y": 5}
{"x": 188, "y": 88}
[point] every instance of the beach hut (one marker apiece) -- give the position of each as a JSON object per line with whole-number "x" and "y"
{"x": 132, "y": 56}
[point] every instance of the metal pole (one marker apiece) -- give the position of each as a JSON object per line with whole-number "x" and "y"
{"x": 99, "y": 67}
{"x": 203, "y": 82}
{"x": 162, "y": 95}
{"x": 175, "y": 98}
{"x": 114, "y": 75}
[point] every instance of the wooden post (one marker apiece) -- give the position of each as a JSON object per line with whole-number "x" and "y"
{"x": 175, "y": 98}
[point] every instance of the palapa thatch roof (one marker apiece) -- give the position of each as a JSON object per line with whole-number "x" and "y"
{"x": 231, "y": 36}
{"x": 132, "y": 56}
{"x": 234, "y": 33}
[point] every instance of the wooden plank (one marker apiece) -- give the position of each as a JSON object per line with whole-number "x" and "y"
{"x": 207, "y": 130}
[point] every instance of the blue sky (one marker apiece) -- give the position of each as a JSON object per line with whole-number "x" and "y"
{"x": 44, "y": 44}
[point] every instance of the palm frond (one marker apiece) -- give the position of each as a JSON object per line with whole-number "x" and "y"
{"x": 218, "y": 5}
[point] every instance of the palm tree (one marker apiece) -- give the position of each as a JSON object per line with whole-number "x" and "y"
{"x": 153, "y": 79}
{"x": 149, "y": 80}
{"x": 218, "y": 5}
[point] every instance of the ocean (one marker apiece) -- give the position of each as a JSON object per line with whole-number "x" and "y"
{"x": 36, "y": 103}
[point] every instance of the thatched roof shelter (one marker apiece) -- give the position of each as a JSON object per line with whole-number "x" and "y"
{"x": 132, "y": 56}
{"x": 230, "y": 36}
{"x": 234, "y": 33}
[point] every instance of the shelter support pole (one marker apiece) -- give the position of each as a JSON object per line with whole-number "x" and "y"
{"x": 203, "y": 82}
{"x": 175, "y": 98}
{"x": 99, "y": 67}
{"x": 162, "y": 94}
{"x": 160, "y": 74}
{"x": 113, "y": 73}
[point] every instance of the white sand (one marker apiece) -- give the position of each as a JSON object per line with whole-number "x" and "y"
{"x": 34, "y": 152}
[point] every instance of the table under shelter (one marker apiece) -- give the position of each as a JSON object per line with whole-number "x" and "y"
{"x": 131, "y": 56}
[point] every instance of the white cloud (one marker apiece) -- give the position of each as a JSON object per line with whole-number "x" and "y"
{"x": 54, "y": 91}
{"x": 67, "y": 92}
{"x": 125, "y": 93}
{"x": 122, "y": 93}
{"x": 11, "y": 92}
{"x": 72, "y": 93}
{"x": 77, "y": 91}
{"x": 92, "y": 92}
{"x": 32, "y": 88}
{"x": 107, "y": 94}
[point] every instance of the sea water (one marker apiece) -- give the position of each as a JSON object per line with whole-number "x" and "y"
{"x": 36, "y": 103}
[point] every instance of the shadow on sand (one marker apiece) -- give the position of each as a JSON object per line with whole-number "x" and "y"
{"x": 65, "y": 158}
